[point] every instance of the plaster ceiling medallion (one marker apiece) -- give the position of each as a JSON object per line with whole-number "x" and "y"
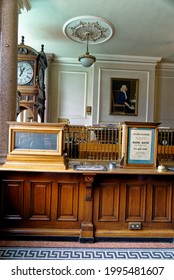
{"x": 98, "y": 29}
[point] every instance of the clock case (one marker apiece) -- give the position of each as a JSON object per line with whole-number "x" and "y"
{"x": 31, "y": 96}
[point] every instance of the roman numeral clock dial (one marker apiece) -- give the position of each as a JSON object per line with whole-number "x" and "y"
{"x": 25, "y": 73}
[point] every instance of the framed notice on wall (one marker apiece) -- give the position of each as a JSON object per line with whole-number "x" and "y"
{"x": 140, "y": 142}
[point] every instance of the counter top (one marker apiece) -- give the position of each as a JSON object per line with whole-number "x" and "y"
{"x": 70, "y": 169}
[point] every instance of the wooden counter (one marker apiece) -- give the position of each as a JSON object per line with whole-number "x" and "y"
{"x": 118, "y": 203}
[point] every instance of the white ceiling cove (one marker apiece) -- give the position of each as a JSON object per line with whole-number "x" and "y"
{"x": 141, "y": 27}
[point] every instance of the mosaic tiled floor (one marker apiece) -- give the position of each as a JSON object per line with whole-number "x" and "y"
{"x": 28, "y": 253}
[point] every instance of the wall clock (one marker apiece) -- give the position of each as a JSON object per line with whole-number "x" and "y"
{"x": 30, "y": 81}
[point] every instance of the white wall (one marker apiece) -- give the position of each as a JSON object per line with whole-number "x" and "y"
{"x": 70, "y": 93}
{"x": 128, "y": 67}
{"x": 73, "y": 88}
{"x": 165, "y": 94}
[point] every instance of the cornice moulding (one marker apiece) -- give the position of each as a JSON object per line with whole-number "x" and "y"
{"x": 129, "y": 58}
{"x": 50, "y": 56}
{"x": 23, "y": 4}
{"x": 166, "y": 66}
{"x": 114, "y": 58}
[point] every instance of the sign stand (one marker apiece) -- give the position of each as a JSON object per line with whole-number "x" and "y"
{"x": 140, "y": 143}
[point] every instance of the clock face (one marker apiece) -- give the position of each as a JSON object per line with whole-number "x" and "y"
{"x": 25, "y": 72}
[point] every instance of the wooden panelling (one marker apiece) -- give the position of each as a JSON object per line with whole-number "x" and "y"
{"x": 161, "y": 202}
{"x": 12, "y": 199}
{"x": 100, "y": 151}
{"x": 67, "y": 201}
{"x": 107, "y": 202}
{"x": 86, "y": 205}
{"x": 135, "y": 202}
{"x": 40, "y": 200}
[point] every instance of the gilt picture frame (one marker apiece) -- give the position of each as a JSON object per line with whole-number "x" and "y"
{"x": 117, "y": 97}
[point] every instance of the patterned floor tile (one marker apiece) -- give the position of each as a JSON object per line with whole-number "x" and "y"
{"x": 28, "y": 253}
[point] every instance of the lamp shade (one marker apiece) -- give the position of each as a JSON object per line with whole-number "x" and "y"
{"x": 87, "y": 60}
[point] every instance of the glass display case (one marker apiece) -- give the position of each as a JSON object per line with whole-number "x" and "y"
{"x": 36, "y": 144}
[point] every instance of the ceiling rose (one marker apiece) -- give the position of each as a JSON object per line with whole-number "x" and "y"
{"x": 100, "y": 30}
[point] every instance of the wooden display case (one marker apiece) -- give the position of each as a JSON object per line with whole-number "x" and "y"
{"x": 36, "y": 145}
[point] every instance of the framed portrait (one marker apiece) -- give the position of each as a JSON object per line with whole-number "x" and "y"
{"x": 124, "y": 96}
{"x": 140, "y": 142}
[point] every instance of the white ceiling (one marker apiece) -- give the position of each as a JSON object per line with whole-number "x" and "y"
{"x": 142, "y": 27}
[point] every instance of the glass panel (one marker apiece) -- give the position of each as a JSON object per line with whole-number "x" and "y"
{"x": 36, "y": 141}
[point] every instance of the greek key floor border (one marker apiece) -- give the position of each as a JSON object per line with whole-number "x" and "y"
{"x": 28, "y": 253}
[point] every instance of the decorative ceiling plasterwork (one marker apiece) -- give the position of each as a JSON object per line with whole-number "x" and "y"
{"x": 98, "y": 29}
{"x": 23, "y": 5}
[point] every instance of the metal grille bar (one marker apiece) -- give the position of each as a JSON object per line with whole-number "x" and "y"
{"x": 93, "y": 142}
{"x": 105, "y": 143}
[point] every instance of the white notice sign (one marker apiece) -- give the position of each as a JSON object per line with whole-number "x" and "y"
{"x": 140, "y": 144}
